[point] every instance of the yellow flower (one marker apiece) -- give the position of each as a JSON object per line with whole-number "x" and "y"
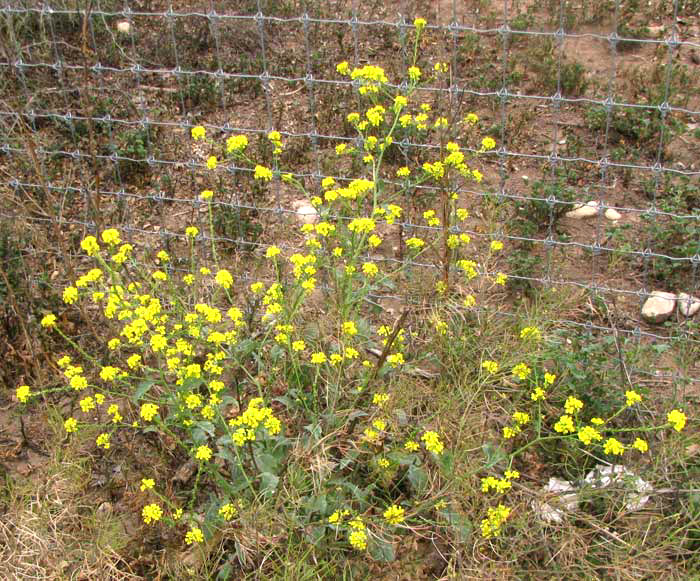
{"x": 370, "y": 269}
{"x": 521, "y": 418}
{"x": 87, "y": 404}
{"x": 206, "y": 195}
{"x": 496, "y": 245}
{"x": 411, "y": 446}
{"x": 414, "y": 74}
{"x": 358, "y": 539}
{"x": 90, "y": 245}
{"x": 614, "y": 447}
{"x": 487, "y": 143}
{"x": 343, "y": 68}
{"x": 432, "y": 442}
{"x": 48, "y": 321}
{"x": 565, "y": 425}
{"x": 262, "y": 173}
{"x": 587, "y": 434}
{"x": 573, "y": 405}
{"x": 151, "y": 513}
{"x": 236, "y": 143}
{"x": 203, "y": 453}
{"x": 471, "y": 119}
{"x": 349, "y": 328}
{"x": 70, "y": 425}
{"x": 419, "y": 23}
{"x": 271, "y": 252}
{"x": 415, "y": 243}
{"x": 318, "y": 358}
{"x": 103, "y": 441}
{"x": 227, "y": 511}
{"x": 501, "y": 279}
{"x": 640, "y": 445}
{"x": 677, "y": 419}
{"x": 133, "y": 361}
{"x": 198, "y": 132}
{"x": 394, "y": 514}
{"x": 597, "y": 421}
{"x": 490, "y": 366}
{"x": 159, "y": 275}
{"x": 521, "y": 371}
{"x": 212, "y": 162}
{"x": 492, "y": 524}
{"x": 70, "y": 295}
{"x": 109, "y": 373}
{"x": 531, "y": 333}
{"x": 632, "y": 397}
{"x": 223, "y": 278}
{"x": 509, "y": 432}
{"x": 147, "y": 484}
{"x": 111, "y": 237}
{"x": 23, "y": 393}
{"x": 549, "y": 378}
{"x": 149, "y": 411}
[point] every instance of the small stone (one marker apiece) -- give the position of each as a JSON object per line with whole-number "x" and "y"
{"x": 687, "y": 305}
{"x": 658, "y": 307}
{"x": 587, "y": 210}
{"x": 525, "y": 178}
{"x": 124, "y": 26}
{"x": 306, "y": 213}
{"x": 613, "y": 215}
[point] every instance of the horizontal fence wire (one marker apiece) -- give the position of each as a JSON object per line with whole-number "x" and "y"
{"x": 77, "y": 73}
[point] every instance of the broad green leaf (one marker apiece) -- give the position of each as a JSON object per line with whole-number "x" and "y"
{"x": 142, "y": 389}
{"x": 381, "y": 550}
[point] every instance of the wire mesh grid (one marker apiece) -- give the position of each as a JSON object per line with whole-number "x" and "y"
{"x": 90, "y": 91}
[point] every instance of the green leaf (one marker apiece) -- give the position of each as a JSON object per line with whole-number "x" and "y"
{"x": 494, "y": 454}
{"x": 460, "y": 523}
{"x": 382, "y": 550}
{"x": 447, "y": 461}
{"x": 142, "y": 389}
{"x": 268, "y": 483}
{"x": 418, "y": 479}
{"x": 267, "y": 462}
{"x": 225, "y": 572}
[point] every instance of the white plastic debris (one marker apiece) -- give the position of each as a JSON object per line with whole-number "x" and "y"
{"x": 639, "y": 490}
{"x": 124, "y": 26}
{"x": 561, "y": 498}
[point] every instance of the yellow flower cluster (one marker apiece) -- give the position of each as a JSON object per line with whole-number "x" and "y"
{"x": 253, "y": 417}
{"x": 492, "y": 524}
{"x": 394, "y": 514}
{"x": 432, "y": 442}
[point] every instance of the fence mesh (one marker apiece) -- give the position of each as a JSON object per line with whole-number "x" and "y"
{"x": 586, "y": 103}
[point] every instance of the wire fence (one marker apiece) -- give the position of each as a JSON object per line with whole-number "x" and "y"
{"x": 96, "y": 99}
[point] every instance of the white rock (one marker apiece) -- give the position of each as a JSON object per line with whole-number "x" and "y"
{"x": 658, "y": 307}
{"x": 306, "y": 213}
{"x": 612, "y": 214}
{"x": 639, "y": 490}
{"x": 124, "y": 26}
{"x": 688, "y": 305}
{"x": 565, "y": 500}
{"x": 587, "y": 210}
